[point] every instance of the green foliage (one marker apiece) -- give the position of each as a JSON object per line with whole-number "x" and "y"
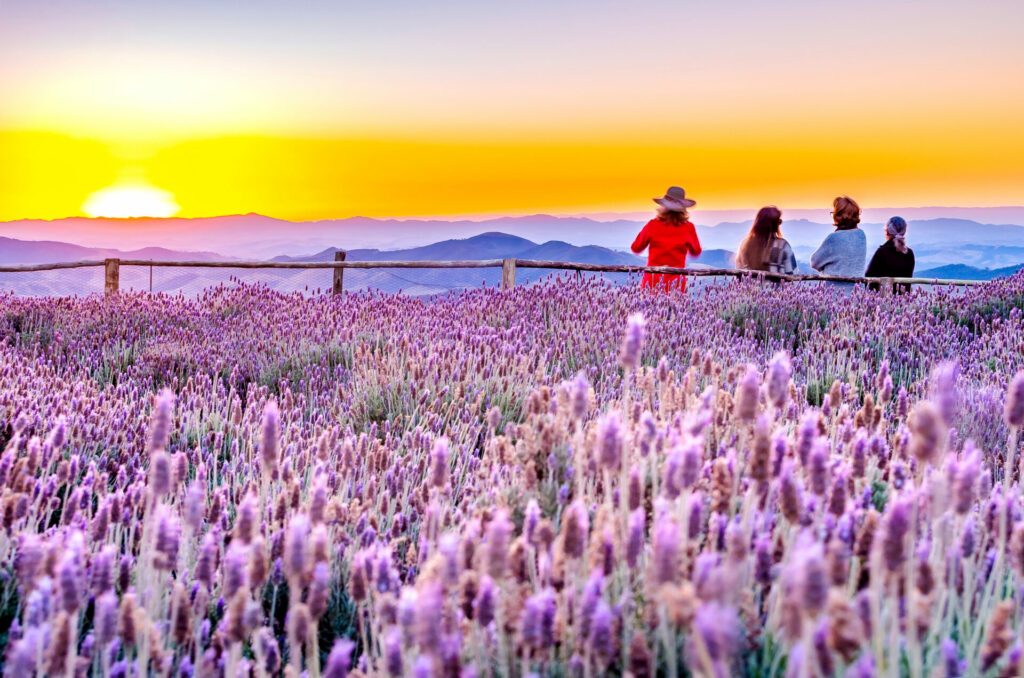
{"x": 980, "y": 313}
{"x": 788, "y": 328}
{"x": 879, "y": 495}
{"x": 9, "y": 607}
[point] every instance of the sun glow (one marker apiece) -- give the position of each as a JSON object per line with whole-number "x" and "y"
{"x": 124, "y": 201}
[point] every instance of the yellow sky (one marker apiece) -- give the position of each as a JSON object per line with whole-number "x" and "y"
{"x": 575, "y": 107}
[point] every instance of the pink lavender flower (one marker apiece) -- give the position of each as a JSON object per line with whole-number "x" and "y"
{"x": 296, "y": 560}
{"x": 160, "y": 423}
{"x": 717, "y": 627}
{"x": 928, "y": 432}
{"x": 807, "y": 435}
{"x": 580, "y": 396}
{"x": 665, "y": 559}
{"x": 780, "y": 371}
{"x": 438, "y": 474}
{"x": 270, "y": 438}
{"x": 1014, "y": 410}
{"x": 168, "y": 540}
{"x": 574, "y": 530}
{"x": 747, "y": 395}
{"x": 817, "y": 471}
{"x": 609, "y": 441}
{"x": 499, "y": 534}
{"x": 965, "y": 482}
{"x": 944, "y": 390}
{"x": 692, "y": 460}
{"x": 160, "y": 473}
{"x": 429, "y": 608}
{"x": 632, "y": 342}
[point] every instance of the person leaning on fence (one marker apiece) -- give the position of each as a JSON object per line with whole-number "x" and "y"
{"x": 893, "y": 259}
{"x": 845, "y": 250}
{"x": 764, "y": 248}
{"x": 669, "y": 239}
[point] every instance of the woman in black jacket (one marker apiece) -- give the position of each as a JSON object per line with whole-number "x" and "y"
{"x": 893, "y": 259}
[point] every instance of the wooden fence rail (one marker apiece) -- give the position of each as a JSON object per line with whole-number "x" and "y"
{"x": 508, "y": 268}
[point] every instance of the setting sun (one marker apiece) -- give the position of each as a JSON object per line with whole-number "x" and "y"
{"x": 123, "y": 201}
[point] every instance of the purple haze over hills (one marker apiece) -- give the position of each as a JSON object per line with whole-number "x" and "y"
{"x": 254, "y": 236}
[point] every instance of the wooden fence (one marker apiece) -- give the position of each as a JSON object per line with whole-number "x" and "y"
{"x": 112, "y": 268}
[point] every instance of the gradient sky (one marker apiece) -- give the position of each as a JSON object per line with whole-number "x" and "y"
{"x": 316, "y": 109}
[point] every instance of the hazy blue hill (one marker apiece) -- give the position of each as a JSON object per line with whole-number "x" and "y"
{"x": 714, "y": 259}
{"x": 556, "y": 250}
{"x": 489, "y": 245}
{"x": 965, "y": 272}
{"x": 14, "y": 251}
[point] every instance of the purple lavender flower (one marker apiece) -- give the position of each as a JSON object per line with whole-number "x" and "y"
{"x": 438, "y": 474}
{"x": 485, "y": 602}
{"x": 747, "y": 395}
{"x": 340, "y": 660}
{"x": 499, "y": 534}
{"x": 429, "y": 608}
{"x": 537, "y": 623}
{"x": 160, "y": 423}
{"x": 1014, "y": 411}
{"x": 632, "y": 342}
{"x": 601, "y": 639}
{"x": 270, "y": 438}
{"x": 665, "y": 559}
{"x": 635, "y": 537}
{"x": 780, "y": 371}
{"x": 717, "y": 628}
{"x": 895, "y": 526}
{"x": 609, "y": 442}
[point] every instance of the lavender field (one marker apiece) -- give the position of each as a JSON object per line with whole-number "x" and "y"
{"x": 567, "y": 479}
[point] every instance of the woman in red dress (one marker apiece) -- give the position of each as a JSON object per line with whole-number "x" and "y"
{"x": 670, "y": 237}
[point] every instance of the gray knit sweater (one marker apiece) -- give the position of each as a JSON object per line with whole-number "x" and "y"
{"x": 843, "y": 253}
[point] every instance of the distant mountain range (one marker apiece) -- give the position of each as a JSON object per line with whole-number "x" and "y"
{"x": 964, "y": 272}
{"x": 256, "y": 236}
{"x": 949, "y": 248}
{"x": 13, "y": 251}
{"x": 494, "y": 245}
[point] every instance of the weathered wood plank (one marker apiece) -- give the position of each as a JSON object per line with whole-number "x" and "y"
{"x": 341, "y": 264}
{"x": 339, "y": 273}
{"x": 112, "y": 276}
{"x": 481, "y": 263}
{"x": 508, "y": 274}
{"x": 28, "y": 268}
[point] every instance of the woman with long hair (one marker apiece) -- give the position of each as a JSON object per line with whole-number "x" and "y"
{"x": 893, "y": 259}
{"x": 764, "y": 248}
{"x": 845, "y": 250}
{"x": 670, "y": 238}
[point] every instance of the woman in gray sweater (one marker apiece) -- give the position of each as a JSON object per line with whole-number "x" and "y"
{"x": 845, "y": 250}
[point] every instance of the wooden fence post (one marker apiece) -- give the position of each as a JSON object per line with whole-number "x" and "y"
{"x": 112, "y": 276}
{"x": 888, "y": 286}
{"x": 339, "y": 273}
{"x": 508, "y": 274}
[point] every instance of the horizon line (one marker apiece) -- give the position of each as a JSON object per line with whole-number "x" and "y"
{"x": 483, "y": 218}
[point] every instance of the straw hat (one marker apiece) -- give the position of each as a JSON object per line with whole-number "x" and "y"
{"x": 675, "y": 200}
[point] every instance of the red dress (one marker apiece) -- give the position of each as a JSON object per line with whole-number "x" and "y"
{"x": 669, "y": 245}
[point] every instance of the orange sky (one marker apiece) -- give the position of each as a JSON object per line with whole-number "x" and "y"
{"x": 321, "y": 110}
